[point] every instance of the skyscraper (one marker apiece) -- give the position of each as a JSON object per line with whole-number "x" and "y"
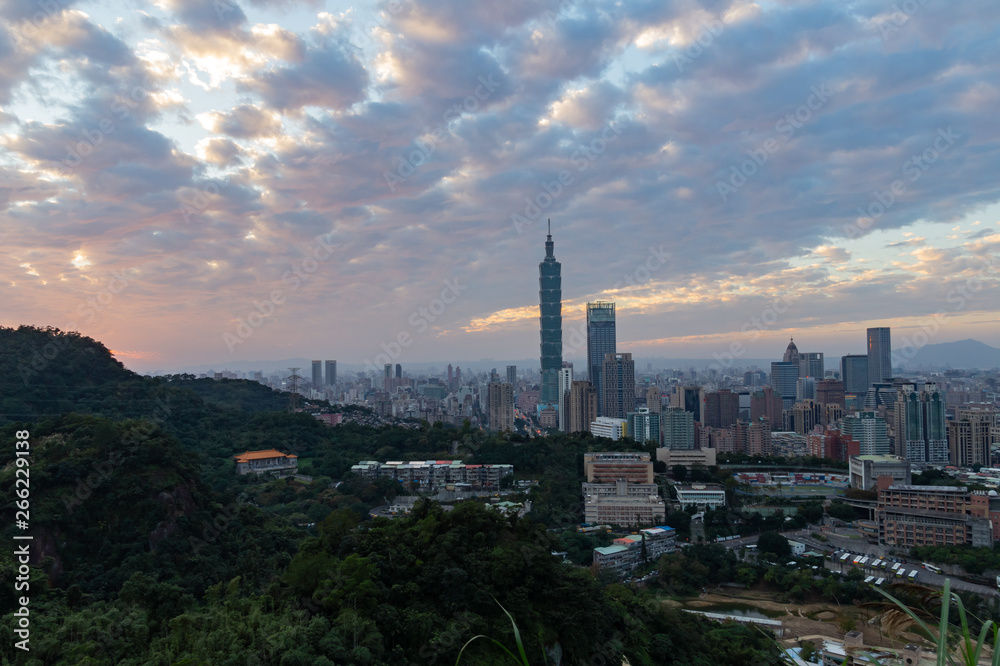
{"x": 399, "y": 371}
{"x": 582, "y": 407}
{"x": 618, "y": 377}
{"x": 512, "y": 375}
{"x": 784, "y": 378}
{"x": 678, "y": 429}
{"x": 644, "y": 426}
{"x": 869, "y": 430}
{"x": 317, "y": 374}
{"x": 500, "y": 397}
{"x": 550, "y": 320}
{"x": 791, "y": 353}
{"x": 600, "y": 342}
{"x": 811, "y": 364}
{"x": 879, "y": 355}
{"x": 692, "y": 399}
{"x": 854, "y": 372}
{"x": 565, "y": 383}
{"x": 921, "y": 430}
{"x": 331, "y": 373}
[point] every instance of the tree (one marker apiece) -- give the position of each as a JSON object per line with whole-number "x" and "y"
{"x": 774, "y": 543}
{"x": 680, "y": 472}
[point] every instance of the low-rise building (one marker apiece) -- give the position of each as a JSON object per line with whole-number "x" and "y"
{"x": 866, "y": 470}
{"x": 701, "y": 495}
{"x": 671, "y": 457}
{"x": 623, "y": 503}
{"x": 933, "y": 516}
{"x": 610, "y": 466}
{"x": 626, "y": 553}
{"x": 271, "y": 460}
{"x": 429, "y": 475}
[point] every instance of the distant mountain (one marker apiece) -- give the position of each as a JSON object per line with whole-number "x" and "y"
{"x": 964, "y": 354}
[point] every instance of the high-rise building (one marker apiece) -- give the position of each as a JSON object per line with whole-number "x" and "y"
{"x": 601, "y": 341}
{"x": 921, "y": 430}
{"x": 791, "y": 353}
{"x": 399, "y": 371}
{"x": 869, "y": 430}
{"x": 501, "y": 406}
{"x": 565, "y": 383}
{"x": 759, "y": 438}
{"x": 807, "y": 415}
{"x": 618, "y": 377}
{"x": 722, "y": 409}
{"x": 678, "y": 429}
{"x": 331, "y": 373}
{"x": 784, "y": 377}
{"x": 644, "y": 425}
{"x": 805, "y": 388}
{"x": 458, "y": 376}
{"x": 317, "y": 374}
{"x": 854, "y": 372}
{"x": 969, "y": 436}
{"x": 830, "y": 392}
{"x": 582, "y": 407}
{"x": 692, "y": 399}
{"x": 879, "y": 355}
{"x": 767, "y": 404}
{"x": 550, "y": 320}
{"x": 512, "y": 375}
{"x": 811, "y": 364}
{"x": 451, "y": 378}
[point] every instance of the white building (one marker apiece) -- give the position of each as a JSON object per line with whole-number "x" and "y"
{"x": 701, "y": 495}
{"x": 608, "y": 427}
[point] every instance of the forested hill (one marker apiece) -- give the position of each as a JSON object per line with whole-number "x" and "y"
{"x": 148, "y": 549}
{"x": 49, "y": 372}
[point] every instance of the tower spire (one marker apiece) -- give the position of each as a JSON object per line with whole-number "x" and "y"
{"x": 550, "y": 227}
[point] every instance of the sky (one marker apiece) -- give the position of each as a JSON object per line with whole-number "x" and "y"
{"x": 201, "y": 181}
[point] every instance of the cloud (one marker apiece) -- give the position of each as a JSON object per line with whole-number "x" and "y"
{"x": 243, "y": 122}
{"x": 221, "y": 144}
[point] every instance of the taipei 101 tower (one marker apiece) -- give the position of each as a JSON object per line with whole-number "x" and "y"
{"x": 550, "y": 300}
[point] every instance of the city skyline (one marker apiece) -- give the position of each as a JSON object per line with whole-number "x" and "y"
{"x": 264, "y": 181}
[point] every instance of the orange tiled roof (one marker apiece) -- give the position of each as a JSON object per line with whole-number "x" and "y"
{"x": 262, "y": 455}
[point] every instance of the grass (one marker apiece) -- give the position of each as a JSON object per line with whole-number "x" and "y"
{"x": 520, "y": 658}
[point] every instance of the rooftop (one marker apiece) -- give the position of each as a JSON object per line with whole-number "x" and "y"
{"x": 262, "y": 455}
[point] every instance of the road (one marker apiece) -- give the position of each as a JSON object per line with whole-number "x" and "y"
{"x": 862, "y": 547}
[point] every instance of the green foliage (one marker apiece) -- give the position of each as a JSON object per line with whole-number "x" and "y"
{"x": 842, "y": 511}
{"x": 973, "y": 560}
{"x": 773, "y": 543}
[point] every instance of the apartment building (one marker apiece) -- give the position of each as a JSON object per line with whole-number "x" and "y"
{"x": 429, "y": 475}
